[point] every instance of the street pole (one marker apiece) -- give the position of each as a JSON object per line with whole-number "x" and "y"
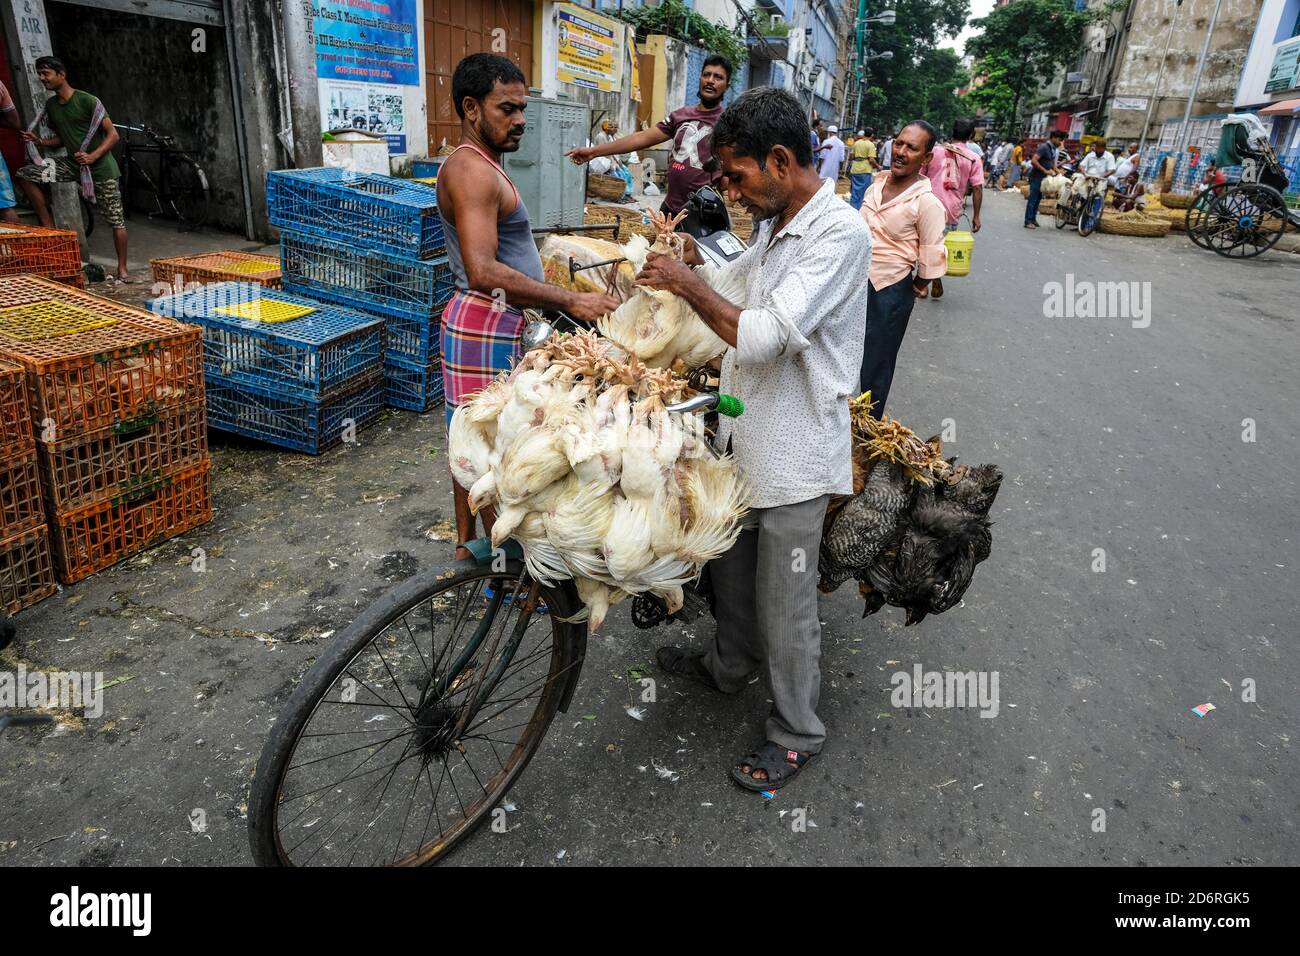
{"x": 304, "y": 102}
{"x": 1196, "y": 79}
{"x": 1160, "y": 72}
{"x": 860, "y": 32}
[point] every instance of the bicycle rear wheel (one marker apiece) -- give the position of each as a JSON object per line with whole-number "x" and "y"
{"x": 416, "y": 721}
{"x": 187, "y": 192}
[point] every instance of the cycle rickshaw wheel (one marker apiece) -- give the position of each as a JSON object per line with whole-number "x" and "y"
{"x": 416, "y": 720}
{"x": 1245, "y": 221}
{"x": 1196, "y": 218}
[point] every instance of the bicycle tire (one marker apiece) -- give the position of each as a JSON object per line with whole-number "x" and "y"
{"x": 1061, "y": 215}
{"x": 188, "y": 195}
{"x": 274, "y": 763}
{"x": 1090, "y": 215}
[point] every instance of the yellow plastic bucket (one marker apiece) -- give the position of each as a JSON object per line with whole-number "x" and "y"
{"x": 961, "y": 245}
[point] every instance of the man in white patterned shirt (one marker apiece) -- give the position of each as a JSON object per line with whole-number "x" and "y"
{"x": 793, "y": 309}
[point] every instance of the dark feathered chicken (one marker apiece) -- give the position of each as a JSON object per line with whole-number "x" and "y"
{"x": 943, "y": 537}
{"x": 864, "y": 526}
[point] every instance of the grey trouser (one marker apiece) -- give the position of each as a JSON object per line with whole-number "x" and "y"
{"x": 766, "y": 588}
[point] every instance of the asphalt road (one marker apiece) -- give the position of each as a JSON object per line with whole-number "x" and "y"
{"x": 1123, "y": 438}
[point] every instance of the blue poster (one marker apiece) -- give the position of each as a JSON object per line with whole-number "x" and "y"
{"x": 372, "y": 41}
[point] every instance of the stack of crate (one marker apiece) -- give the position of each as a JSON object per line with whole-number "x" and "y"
{"x": 117, "y": 408}
{"x": 284, "y": 369}
{"x": 35, "y": 250}
{"x": 179, "y": 272}
{"x": 371, "y": 243}
{"x": 26, "y": 574}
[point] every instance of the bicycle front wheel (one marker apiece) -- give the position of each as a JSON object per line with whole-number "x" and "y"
{"x": 415, "y": 722}
{"x": 187, "y": 192}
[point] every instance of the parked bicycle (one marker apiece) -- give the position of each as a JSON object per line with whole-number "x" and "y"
{"x": 158, "y": 179}
{"x": 1082, "y": 208}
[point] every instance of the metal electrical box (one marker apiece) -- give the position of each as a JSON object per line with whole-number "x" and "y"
{"x": 551, "y": 186}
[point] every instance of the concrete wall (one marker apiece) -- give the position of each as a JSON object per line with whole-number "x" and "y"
{"x": 1148, "y": 30}
{"x": 145, "y": 70}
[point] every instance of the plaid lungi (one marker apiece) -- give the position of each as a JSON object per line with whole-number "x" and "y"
{"x": 480, "y": 340}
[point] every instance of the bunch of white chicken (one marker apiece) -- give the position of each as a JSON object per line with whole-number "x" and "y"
{"x": 659, "y": 327}
{"x": 581, "y": 462}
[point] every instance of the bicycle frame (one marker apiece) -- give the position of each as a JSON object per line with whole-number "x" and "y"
{"x": 484, "y": 555}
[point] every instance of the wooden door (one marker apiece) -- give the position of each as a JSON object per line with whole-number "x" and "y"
{"x": 454, "y": 29}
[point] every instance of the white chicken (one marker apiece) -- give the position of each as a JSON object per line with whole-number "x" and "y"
{"x": 593, "y": 476}
{"x": 657, "y": 326}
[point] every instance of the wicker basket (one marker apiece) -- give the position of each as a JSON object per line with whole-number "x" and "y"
{"x": 1149, "y": 227}
{"x": 1047, "y": 207}
{"x": 1177, "y": 200}
{"x": 607, "y": 188}
{"x": 1177, "y": 217}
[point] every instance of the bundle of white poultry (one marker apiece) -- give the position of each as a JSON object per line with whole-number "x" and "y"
{"x": 581, "y": 462}
{"x": 656, "y": 326}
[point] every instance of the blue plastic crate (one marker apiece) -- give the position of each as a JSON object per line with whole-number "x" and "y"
{"x": 412, "y": 386}
{"x": 323, "y": 350}
{"x": 371, "y": 211}
{"x": 409, "y": 337}
{"x": 426, "y": 168}
{"x": 372, "y": 279}
{"x": 289, "y": 420}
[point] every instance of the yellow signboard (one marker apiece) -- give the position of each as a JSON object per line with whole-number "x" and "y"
{"x": 590, "y": 49}
{"x": 636, "y": 69}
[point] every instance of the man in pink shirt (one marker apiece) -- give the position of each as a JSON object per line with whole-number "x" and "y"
{"x": 953, "y": 170}
{"x": 907, "y": 252}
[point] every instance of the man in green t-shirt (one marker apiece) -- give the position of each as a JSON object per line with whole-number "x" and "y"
{"x": 863, "y": 165}
{"x": 81, "y": 127}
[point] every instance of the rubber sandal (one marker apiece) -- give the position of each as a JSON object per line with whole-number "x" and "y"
{"x": 774, "y": 760}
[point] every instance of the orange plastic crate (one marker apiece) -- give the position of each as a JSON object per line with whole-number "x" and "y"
{"x": 20, "y": 493}
{"x": 92, "y": 362}
{"x": 113, "y": 461}
{"x": 39, "y": 251}
{"x": 98, "y": 536}
{"x": 15, "y": 409}
{"x": 217, "y": 267}
{"x": 26, "y": 572}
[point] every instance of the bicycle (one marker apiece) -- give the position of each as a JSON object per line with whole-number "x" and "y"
{"x": 347, "y": 775}
{"x": 158, "y": 179}
{"x": 1085, "y": 211}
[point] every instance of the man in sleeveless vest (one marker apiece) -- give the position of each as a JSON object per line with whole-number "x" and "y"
{"x": 490, "y": 246}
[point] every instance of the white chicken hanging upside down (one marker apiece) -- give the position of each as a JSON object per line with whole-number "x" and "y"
{"x": 594, "y": 478}
{"x": 659, "y": 327}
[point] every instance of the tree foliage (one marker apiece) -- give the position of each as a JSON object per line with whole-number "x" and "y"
{"x": 673, "y": 18}
{"x": 1023, "y": 45}
{"x": 919, "y": 82}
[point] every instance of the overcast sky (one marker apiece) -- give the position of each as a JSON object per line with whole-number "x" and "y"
{"x": 978, "y": 8}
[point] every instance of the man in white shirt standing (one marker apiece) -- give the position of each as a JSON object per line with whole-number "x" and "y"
{"x": 831, "y": 153}
{"x": 1094, "y": 169}
{"x": 793, "y": 309}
